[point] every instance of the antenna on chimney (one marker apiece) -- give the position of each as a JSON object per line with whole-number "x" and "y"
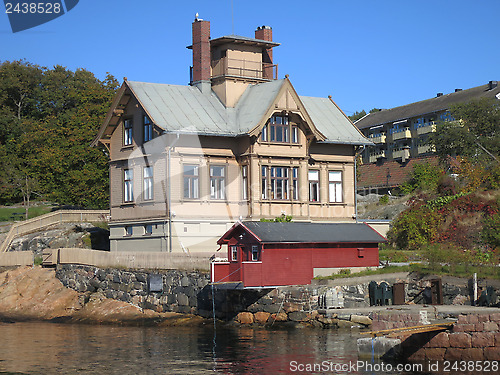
{"x": 232, "y": 17}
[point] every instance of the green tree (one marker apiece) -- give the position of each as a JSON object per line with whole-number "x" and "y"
{"x": 475, "y": 134}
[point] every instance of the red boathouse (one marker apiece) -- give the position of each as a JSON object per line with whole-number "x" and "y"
{"x": 269, "y": 254}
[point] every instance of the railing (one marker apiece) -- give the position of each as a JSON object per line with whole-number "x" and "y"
{"x": 57, "y": 217}
{"x": 426, "y": 128}
{"x": 126, "y": 259}
{"x": 401, "y": 153}
{"x": 401, "y": 133}
{"x": 376, "y": 155}
{"x": 244, "y": 68}
{"x": 423, "y": 149}
{"x": 378, "y": 138}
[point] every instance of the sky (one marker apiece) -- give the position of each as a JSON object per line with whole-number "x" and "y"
{"x": 365, "y": 54}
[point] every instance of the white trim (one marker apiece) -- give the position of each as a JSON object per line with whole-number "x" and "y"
{"x": 251, "y": 261}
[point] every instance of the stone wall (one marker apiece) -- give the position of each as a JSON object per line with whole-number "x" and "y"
{"x": 474, "y": 336}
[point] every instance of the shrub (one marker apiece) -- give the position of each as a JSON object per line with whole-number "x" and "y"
{"x": 424, "y": 177}
{"x": 384, "y": 199}
{"x": 490, "y": 233}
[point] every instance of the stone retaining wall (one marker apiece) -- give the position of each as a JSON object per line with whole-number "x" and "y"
{"x": 474, "y": 336}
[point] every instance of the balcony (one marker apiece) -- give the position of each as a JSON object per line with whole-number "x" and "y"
{"x": 374, "y": 156}
{"x": 244, "y": 68}
{"x": 429, "y": 127}
{"x": 401, "y": 153}
{"x": 378, "y": 138}
{"x": 424, "y": 149}
{"x": 403, "y": 133}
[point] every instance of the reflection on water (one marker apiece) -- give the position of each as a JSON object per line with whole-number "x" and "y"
{"x": 44, "y": 348}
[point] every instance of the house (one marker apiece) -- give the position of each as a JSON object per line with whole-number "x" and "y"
{"x": 187, "y": 162}
{"x": 402, "y": 133}
{"x": 265, "y": 254}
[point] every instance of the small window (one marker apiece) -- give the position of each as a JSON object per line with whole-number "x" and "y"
{"x": 128, "y": 231}
{"x": 335, "y": 186}
{"x": 127, "y": 132}
{"x": 148, "y": 129}
{"x": 264, "y": 134}
{"x": 128, "y": 186}
{"x": 255, "y": 253}
{"x": 217, "y": 182}
{"x": 191, "y": 182}
{"x": 314, "y": 186}
{"x": 295, "y": 134}
{"x": 148, "y": 229}
{"x": 148, "y": 183}
{"x": 234, "y": 253}
{"x": 361, "y": 253}
{"x": 244, "y": 180}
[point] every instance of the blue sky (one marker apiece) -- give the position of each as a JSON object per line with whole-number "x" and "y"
{"x": 364, "y": 53}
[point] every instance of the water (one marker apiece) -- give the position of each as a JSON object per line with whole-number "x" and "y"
{"x": 45, "y": 348}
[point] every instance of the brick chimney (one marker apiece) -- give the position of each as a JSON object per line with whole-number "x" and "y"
{"x": 265, "y": 33}
{"x": 201, "y": 50}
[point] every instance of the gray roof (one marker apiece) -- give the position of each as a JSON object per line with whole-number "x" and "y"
{"x": 271, "y": 232}
{"x": 186, "y": 109}
{"x": 424, "y": 107}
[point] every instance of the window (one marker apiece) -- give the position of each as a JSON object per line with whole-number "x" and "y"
{"x": 128, "y": 185}
{"x": 361, "y": 253}
{"x": 191, "y": 182}
{"x": 127, "y": 132}
{"x": 295, "y": 134}
{"x": 244, "y": 180}
{"x": 148, "y": 229}
{"x": 282, "y": 182}
{"x": 264, "y": 182}
{"x": 128, "y": 231}
{"x": 217, "y": 182}
{"x": 255, "y": 253}
{"x": 148, "y": 183}
{"x": 314, "y": 186}
{"x": 148, "y": 129}
{"x": 278, "y": 129}
{"x": 234, "y": 253}
{"x": 335, "y": 186}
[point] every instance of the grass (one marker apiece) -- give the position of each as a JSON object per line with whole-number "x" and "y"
{"x": 399, "y": 256}
{"x": 460, "y": 270}
{"x": 7, "y": 213}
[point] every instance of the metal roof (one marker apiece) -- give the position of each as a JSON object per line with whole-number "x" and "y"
{"x": 332, "y": 123}
{"x": 186, "y": 109}
{"x": 427, "y": 106}
{"x": 240, "y": 40}
{"x": 271, "y": 232}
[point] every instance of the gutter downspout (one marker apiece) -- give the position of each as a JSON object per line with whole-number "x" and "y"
{"x": 356, "y": 181}
{"x": 169, "y": 194}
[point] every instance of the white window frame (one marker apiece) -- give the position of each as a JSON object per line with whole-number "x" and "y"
{"x": 193, "y": 182}
{"x": 255, "y": 253}
{"x": 314, "y": 194}
{"x": 244, "y": 182}
{"x": 147, "y": 185}
{"x": 218, "y": 182}
{"x": 128, "y": 185}
{"x": 128, "y": 132}
{"x": 335, "y": 190}
{"x": 234, "y": 253}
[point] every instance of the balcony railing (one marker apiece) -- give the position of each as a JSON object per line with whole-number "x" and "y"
{"x": 403, "y": 153}
{"x": 244, "y": 68}
{"x": 403, "y": 133}
{"x": 429, "y": 127}
{"x": 424, "y": 149}
{"x": 378, "y": 138}
{"x": 374, "y": 156}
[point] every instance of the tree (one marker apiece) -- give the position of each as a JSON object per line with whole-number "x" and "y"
{"x": 475, "y": 134}
{"x": 357, "y": 115}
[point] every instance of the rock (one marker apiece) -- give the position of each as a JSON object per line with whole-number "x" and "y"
{"x": 298, "y": 316}
{"x": 360, "y": 319}
{"x": 245, "y": 318}
{"x": 261, "y": 317}
{"x": 280, "y": 317}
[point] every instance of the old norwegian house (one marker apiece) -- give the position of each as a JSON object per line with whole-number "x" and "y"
{"x": 267, "y": 254}
{"x": 187, "y": 162}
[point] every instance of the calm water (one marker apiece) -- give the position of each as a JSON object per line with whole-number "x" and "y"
{"x": 45, "y": 348}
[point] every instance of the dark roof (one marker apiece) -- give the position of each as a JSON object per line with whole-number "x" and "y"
{"x": 237, "y": 39}
{"x": 375, "y": 175}
{"x": 271, "y": 232}
{"x": 424, "y": 107}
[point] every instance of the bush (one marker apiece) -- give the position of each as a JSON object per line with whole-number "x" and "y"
{"x": 424, "y": 177}
{"x": 384, "y": 199}
{"x": 491, "y": 230}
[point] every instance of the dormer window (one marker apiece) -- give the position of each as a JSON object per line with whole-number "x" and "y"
{"x": 279, "y": 130}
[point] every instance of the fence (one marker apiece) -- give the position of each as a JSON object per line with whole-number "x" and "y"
{"x": 57, "y": 217}
{"x": 127, "y": 259}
